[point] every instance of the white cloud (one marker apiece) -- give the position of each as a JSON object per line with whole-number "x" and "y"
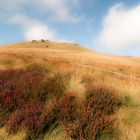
{"x": 11, "y": 5}
{"x": 32, "y": 29}
{"x": 121, "y": 27}
{"x": 38, "y": 32}
{"x": 60, "y": 10}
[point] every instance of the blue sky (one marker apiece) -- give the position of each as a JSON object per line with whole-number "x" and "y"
{"x": 108, "y": 26}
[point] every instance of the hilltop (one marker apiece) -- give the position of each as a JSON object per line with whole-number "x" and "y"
{"x": 72, "y": 53}
{"x": 48, "y": 44}
{"x": 57, "y": 91}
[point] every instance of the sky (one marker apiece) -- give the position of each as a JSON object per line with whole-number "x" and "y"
{"x": 107, "y": 26}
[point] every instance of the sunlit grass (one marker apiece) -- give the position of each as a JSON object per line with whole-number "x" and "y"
{"x": 64, "y": 75}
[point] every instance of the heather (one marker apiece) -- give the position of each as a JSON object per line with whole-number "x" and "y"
{"x": 36, "y": 100}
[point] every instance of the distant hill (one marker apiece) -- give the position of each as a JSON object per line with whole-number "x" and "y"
{"x": 73, "y": 53}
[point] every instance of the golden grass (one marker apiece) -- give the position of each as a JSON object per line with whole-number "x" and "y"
{"x": 56, "y": 134}
{"x": 5, "y": 136}
{"x": 82, "y": 62}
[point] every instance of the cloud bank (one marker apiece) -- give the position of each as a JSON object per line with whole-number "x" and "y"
{"x": 60, "y": 10}
{"x": 17, "y": 12}
{"x": 120, "y": 28}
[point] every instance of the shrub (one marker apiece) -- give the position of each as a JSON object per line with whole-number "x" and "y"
{"x": 88, "y": 124}
{"x": 17, "y": 86}
{"x": 34, "y": 102}
{"x": 22, "y": 99}
{"x": 15, "y": 120}
{"x": 34, "y": 41}
{"x": 102, "y": 99}
{"x": 88, "y": 121}
{"x": 67, "y": 108}
{"x": 32, "y": 121}
{"x": 18, "y": 89}
{"x": 84, "y": 123}
{"x": 42, "y": 40}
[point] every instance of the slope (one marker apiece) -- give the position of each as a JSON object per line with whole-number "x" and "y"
{"x": 121, "y": 73}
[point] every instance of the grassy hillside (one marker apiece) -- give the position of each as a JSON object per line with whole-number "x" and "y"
{"x": 62, "y": 91}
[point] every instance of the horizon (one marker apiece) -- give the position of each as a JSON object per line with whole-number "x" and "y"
{"x": 110, "y": 27}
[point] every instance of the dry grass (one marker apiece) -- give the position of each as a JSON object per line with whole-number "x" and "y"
{"x": 72, "y": 59}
